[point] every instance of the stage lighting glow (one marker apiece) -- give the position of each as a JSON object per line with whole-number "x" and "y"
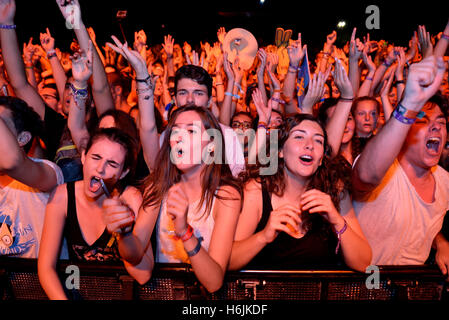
{"x": 341, "y": 24}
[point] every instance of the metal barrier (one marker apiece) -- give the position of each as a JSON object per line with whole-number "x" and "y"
{"x": 19, "y": 281}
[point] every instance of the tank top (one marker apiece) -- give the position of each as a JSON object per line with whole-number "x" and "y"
{"x": 312, "y": 251}
{"x": 171, "y": 250}
{"x": 78, "y": 248}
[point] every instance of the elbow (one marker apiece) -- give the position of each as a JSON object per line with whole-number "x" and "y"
{"x": 215, "y": 286}
{"x": 143, "y": 277}
{"x": 12, "y": 163}
{"x": 362, "y": 177}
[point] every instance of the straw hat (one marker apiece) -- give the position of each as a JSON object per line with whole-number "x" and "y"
{"x": 240, "y": 42}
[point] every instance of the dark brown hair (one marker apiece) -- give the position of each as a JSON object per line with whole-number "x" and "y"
{"x": 331, "y": 177}
{"x": 166, "y": 174}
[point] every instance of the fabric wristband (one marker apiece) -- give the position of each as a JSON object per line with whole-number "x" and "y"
{"x": 406, "y": 116}
{"x": 7, "y": 26}
{"x": 144, "y": 80}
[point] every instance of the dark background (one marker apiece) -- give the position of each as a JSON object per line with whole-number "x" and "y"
{"x": 194, "y": 21}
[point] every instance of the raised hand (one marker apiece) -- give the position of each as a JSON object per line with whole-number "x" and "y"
{"x": 29, "y": 51}
{"x": 71, "y": 11}
{"x": 221, "y": 33}
{"x": 47, "y": 41}
{"x": 7, "y": 11}
{"x": 423, "y": 82}
{"x": 140, "y": 40}
{"x": 137, "y": 62}
{"x": 264, "y": 111}
{"x": 413, "y": 47}
{"x": 177, "y": 207}
{"x": 342, "y": 82}
{"x": 425, "y": 42}
{"x": 315, "y": 91}
{"x": 82, "y": 66}
{"x": 368, "y": 61}
{"x": 355, "y": 47}
{"x": 401, "y": 59}
{"x": 168, "y": 45}
{"x": 296, "y": 51}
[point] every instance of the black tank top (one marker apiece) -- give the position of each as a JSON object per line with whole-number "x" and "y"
{"x": 312, "y": 251}
{"x": 78, "y": 249}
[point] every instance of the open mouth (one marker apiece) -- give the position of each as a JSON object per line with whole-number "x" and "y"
{"x": 433, "y": 144}
{"x": 306, "y": 159}
{"x": 95, "y": 184}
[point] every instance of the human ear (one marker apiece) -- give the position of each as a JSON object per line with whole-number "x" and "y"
{"x": 23, "y": 138}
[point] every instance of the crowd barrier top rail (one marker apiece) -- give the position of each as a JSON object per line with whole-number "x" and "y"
{"x": 99, "y": 281}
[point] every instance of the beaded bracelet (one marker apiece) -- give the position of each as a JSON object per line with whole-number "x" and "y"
{"x": 339, "y": 233}
{"x": 369, "y": 78}
{"x": 445, "y": 36}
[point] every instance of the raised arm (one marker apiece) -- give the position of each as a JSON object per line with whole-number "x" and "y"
{"x": 355, "y": 52}
{"x": 336, "y": 125}
{"x": 380, "y": 71}
{"x": 13, "y": 59}
{"x": 441, "y": 46}
{"x": 81, "y": 71}
{"x": 315, "y": 91}
{"x": 145, "y": 86}
{"x": 365, "y": 88}
{"x": 423, "y": 81}
{"x": 228, "y": 107}
{"x": 100, "y": 87}
{"x": 295, "y": 53}
{"x": 327, "y": 52}
{"x": 48, "y": 44}
{"x": 264, "y": 113}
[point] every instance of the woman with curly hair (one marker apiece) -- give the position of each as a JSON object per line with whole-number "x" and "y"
{"x": 302, "y": 215}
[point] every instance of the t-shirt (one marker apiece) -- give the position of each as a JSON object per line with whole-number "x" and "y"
{"x": 22, "y": 213}
{"x": 234, "y": 150}
{"x": 398, "y": 224}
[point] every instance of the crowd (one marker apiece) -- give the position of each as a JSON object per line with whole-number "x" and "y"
{"x": 163, "y": 154}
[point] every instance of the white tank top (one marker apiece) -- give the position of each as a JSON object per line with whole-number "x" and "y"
{"x": 171, "y": 250}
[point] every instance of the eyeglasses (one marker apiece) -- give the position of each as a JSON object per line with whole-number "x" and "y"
{"x": 241, "y": 125}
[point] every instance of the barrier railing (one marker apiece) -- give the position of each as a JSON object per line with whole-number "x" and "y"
{"x": 19, "y": 281}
